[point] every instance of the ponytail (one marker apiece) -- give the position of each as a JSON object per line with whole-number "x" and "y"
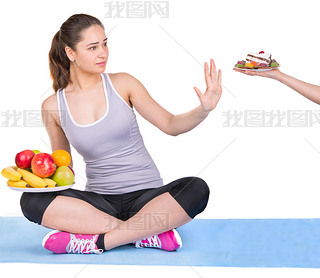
{"x": 59, "y": 64}
{"x": 68, "y": 35}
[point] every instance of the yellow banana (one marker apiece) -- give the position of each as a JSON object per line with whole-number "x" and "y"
{"x": 50, "y": 182}
{"x": 11, "y": 173}
{"x": 32, "y": 179}
{"x": 20, "y": 183}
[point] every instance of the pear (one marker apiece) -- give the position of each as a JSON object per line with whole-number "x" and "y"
{"x": 63, "y": 176}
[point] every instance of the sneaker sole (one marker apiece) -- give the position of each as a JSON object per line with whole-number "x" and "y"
{"x": 178, "y": 238}
{"x": 48, "y": 235}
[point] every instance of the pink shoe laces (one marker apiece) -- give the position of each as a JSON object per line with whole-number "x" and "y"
{"x": 82, "y": 246}
{"x": 152, "y": 241}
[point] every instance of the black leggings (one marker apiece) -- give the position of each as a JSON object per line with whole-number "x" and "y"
{"x": 192, "y": 193}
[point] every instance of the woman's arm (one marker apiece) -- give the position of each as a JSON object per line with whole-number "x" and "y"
{"x": 310, "y": 91}
{"x": 185, "y": 122}
{"x": 171, "y": 124}
{"x": 57, "y": 137}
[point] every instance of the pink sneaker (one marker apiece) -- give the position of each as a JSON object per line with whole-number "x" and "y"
{"x": 168, "y": 241}
{"x": 63, "y": 242}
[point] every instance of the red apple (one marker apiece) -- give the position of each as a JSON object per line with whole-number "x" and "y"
{"x": 23, "y": 159}
{"x": 42, "y": 165}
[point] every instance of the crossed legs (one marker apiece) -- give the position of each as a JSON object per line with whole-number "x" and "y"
{"x": 76, "y": 216}
{"x": 164, "y": 212}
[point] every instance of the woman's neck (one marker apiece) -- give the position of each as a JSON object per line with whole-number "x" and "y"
{"x": 83, "y": 81}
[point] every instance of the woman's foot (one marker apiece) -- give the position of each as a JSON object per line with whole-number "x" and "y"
{"x": 168, "y": 241}
{"x": 63, "y": 242}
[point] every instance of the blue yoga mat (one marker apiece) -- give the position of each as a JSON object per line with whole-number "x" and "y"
{"x": 206, "y": 242}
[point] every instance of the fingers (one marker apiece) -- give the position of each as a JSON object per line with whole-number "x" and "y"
{"x": 247, "y": 72}
{"x": 252, "y": 73}
{"x": 199, "y": 94}
{"x": 219, "y": 81}
{"x": 213, "y": 70}
{"x": 219, "y": 76}
{"x": 206, "y": 73}
{"x": 211, "y": 76}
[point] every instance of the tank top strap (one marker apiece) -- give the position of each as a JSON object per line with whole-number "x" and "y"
{"x": 62, "y": 109}
{"x": 114, "y": 95}
{"x": 108, "y": 85}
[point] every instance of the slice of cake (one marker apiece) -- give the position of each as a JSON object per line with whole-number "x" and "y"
{"x": 259, "y": 58}
{"x": 257, "y": 61}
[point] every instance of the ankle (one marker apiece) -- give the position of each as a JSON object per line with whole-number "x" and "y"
{"x": 100, "y": 242}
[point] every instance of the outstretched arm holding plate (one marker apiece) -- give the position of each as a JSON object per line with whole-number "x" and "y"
{"x": 310, "y": 91}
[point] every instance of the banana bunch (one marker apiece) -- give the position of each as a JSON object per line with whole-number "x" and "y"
{"x": 18, "y": 177}
{"x": 21, "y": 183}
{"x": 11, "y": 173}
{"x": 50, "y": 182}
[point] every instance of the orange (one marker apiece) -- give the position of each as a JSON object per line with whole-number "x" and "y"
{"x": 61, "y": 158}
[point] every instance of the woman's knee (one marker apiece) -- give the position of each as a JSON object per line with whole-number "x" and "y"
{"x": 201, "y": 191}
{"x": 33, "y": 205}
{"x": 200, "y": 195}
{"x": 193, "y": 195}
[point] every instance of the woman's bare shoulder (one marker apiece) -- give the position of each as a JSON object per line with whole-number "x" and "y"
{"x": 50, "y": 102}
{"x": 49, "y": 108}
{"x": 119, "y": 76}
{"x": 121, "y": 82}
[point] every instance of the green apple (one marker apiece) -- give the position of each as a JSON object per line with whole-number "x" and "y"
{"x": 36, "y": 151}
{"x": 63, "y": 176}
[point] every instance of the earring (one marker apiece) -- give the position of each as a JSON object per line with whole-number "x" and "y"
{"x": 72, "y": 60}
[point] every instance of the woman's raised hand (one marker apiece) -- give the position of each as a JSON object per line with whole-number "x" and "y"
{"x": 211, "y": 96}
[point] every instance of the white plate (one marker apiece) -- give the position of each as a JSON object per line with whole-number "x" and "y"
{"x": 37, "y": 190}
{"x": 261, "y": 70}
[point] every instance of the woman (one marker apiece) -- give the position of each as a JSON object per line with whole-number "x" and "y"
{"x": 125, "y": 200}
{"x": 310, "y": 91}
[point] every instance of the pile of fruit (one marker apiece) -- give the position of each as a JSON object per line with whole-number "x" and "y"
{"x": 35, "y": 169}
{"x": 254, "y": 65}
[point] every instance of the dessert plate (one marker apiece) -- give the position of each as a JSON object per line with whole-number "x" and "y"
{"x": 41, "y": 190}
{"x": 261, "y": 70}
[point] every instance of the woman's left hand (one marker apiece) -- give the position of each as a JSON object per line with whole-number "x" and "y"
{"x": 211, "y": 96}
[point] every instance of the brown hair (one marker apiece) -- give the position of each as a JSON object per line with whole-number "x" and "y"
{"x": 68, "y": 35}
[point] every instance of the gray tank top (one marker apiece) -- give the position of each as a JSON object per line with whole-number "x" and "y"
{"x": 112, "y": 147}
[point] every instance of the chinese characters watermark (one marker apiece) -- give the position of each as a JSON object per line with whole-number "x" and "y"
{"x": 272, "y": 118}
{"x": 29, "y": 118}
{"x": 145, "y": 221}
{"x": 136, "y": 9}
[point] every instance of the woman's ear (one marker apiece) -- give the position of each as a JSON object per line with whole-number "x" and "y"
{"x": 70, "y": 53}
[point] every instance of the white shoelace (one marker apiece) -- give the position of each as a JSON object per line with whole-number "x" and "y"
{"x": 153, "y": 241}
{"x": 82, "y": 246}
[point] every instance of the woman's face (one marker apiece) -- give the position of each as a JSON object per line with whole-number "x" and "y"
{"x": 92, "y": 50}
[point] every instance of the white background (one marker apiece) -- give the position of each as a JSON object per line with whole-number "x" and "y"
{"x": 253, "y": 172}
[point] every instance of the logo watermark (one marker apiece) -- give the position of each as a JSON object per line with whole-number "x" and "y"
{"x": 137, "y": 9}
{"x": 29, "y": 118}
{"x": 144, "y": 221}
{"x": 271, "y": 118}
